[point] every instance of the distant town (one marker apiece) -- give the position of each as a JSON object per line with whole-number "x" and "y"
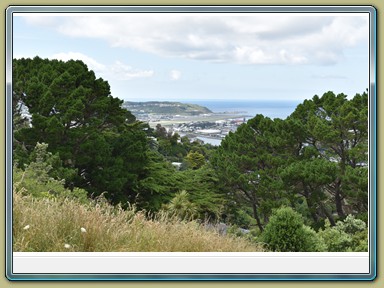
{"x": 196, "y": 122}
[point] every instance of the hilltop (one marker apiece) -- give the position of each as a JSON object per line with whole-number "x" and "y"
{"x": 166, "y": 107}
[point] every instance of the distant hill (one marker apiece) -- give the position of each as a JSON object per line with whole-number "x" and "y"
{"x": 165, "y": 107}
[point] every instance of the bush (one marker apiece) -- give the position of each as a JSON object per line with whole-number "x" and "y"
{"x": 286, "y": 232}
{"x": 350, "y": 235}
{"x": 37, "y": 178}
{"x": 181, "y": 207}
{"x": 313, "y": 241}
{"x": 351, "y": 225}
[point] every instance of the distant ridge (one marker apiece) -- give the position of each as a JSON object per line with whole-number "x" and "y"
{"x": 165, "y": 107}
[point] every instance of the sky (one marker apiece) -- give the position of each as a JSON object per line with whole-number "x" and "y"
{"x": 190, "y": 56}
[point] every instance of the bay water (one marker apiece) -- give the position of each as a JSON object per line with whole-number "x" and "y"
{"x": 272, "y": 109}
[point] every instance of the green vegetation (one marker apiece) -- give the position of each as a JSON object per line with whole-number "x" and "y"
{"x": 52, "y": 225}
{"x": 82, "y": 160}
{"x": 38, "y": 180}
{"x": 165, "y": 107}
{"x": 286, "y": 232}
{"x": 350, "y": 235}
{"x": 314, "y": 161}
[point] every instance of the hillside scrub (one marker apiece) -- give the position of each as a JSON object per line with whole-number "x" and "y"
{"x": 73, "y": 141}
{"x": 286, "y": 232}
{"x": 52, "y": 225}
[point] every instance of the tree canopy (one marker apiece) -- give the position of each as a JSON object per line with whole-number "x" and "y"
{"x": 315, "y": 160}
{"x": 74, "y": 113}
{"x": 73, "y": 138}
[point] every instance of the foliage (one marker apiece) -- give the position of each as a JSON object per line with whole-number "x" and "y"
{"x": 201, "y": 185}
{"x": 48, "y": 225}
{"x": 179, "y": 149}
{"x": 350, "y": 235}
{"x": 309, "y": 178}
{"x": 195, "y": 160}
{"x": 181, "y": 206}
{"x": 75, "y": 114}
{"x": 247, "y": 167}
{"x": 315, "y": 160}
{"x": 337, "y": 130}
{"x": 37, "y": 180}
{"x": 286, "y": 232}
{"x": 159, "y": 184}
{"x": 79, "y": 142}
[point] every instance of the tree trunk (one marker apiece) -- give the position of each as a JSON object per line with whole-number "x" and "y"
{"x": 329, "y": 215}
{"x": 339, "y": 199}
{"x": 312, "y": 211}
{"x": 311, "y": 208}
{"x": 256, "y": 216}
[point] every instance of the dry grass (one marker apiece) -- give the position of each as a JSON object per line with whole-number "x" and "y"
{"x": 51, "y": 225}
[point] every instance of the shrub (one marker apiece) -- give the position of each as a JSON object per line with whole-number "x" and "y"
{"x": 181, "y": 206}
{"x": 335, "y": 239}
{"x": 314, "y": 242}
{"x": 286, "y": 232}
{"x": 350, "y": 235}
{"x": 36, "y": 178}
{"x": 351, "y": 225}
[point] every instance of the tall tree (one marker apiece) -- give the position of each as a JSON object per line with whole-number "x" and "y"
{"x": 75, "y": 114}
{"x": 338, "y": 129}
{"x": 246, "y": 164}
{"x": 319, "y": 154}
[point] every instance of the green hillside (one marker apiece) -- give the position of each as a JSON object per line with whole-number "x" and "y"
{"x": 165, "y": 107}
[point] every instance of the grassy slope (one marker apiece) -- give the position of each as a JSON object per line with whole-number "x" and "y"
{"x": 52, "y": 224}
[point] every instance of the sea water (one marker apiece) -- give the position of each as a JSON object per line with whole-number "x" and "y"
{"x": 272, "y": 109}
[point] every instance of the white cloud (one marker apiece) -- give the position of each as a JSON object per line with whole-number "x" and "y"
{"x": 117, "y": 70}
{"x": 126, "y": 72}
{"x": 250, "y": 39}
{"x": 90, "y": 62}
{"x": 287, "y": 57}
{"x": 175, "y": 75}
{"x": 253, "y": 55}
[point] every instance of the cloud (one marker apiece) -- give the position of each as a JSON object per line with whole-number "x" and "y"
{"x": 126, "y": 72}
{"x": 117, "y": 70}
{"x": 91, "y": 63}
{"x": 175, "y": 75}
{"x": 248, "y": 39}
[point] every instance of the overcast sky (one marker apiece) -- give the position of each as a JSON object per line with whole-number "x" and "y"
{"x": 207, "y": 56}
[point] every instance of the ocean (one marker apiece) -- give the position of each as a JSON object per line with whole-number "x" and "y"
{"x": 272, "y": 109}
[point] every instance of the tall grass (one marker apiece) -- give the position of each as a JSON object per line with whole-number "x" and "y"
{"x": 52, "y": 225}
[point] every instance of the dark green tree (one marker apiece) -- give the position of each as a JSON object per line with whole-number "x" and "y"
{"x": 202, "y": 186}
{"x": 246, "y": 163}
{"x": 316, "y": 159}
{"x": 75, "y": 114}
{"x": 159, "y": 185}
{"x": 337, "y": 128}
{"x": 308, "y": 178}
